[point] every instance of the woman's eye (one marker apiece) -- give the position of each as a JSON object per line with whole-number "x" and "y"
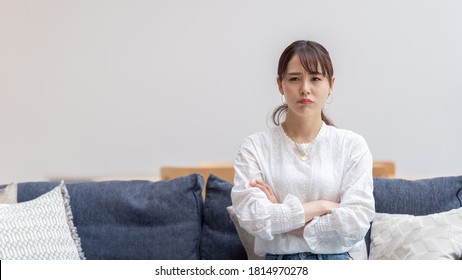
{"x": 316, "y": 79}
{"x": 293, "y": 79}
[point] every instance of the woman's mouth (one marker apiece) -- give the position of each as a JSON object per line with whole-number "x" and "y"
{"x": 305, "y": 101}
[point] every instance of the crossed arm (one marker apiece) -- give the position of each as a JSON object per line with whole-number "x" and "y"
{"x": 311, "y": 209}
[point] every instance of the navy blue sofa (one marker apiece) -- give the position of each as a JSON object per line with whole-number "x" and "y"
{"x": 171, "y": 220}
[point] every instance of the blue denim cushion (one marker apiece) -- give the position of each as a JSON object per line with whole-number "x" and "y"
{"x": 219, "y": 240}
{"x": 419, "y": 197}
{"x": 133, "y": 219}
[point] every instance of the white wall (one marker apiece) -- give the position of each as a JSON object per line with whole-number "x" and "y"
{"x": 120, "y": 88}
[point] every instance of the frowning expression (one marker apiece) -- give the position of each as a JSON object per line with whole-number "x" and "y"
{"x": 305, "y": 91}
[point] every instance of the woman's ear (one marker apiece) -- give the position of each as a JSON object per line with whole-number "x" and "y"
{"x": 332, "y": 82}
{"x": 279, "y": 82}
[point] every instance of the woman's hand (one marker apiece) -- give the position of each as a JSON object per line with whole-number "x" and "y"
{"x": 313, "y": 209}
{"x": 318, "y": 208}
{"x": 266, "y": 189}
{"x": 298, "y": 232}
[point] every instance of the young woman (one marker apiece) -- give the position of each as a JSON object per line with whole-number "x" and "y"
{"x": 304, "y": 187}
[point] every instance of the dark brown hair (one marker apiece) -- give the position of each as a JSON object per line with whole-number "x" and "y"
{"x": 312, "y": 55}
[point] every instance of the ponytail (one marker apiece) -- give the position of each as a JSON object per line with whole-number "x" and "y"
{"x": 282, "y": 110}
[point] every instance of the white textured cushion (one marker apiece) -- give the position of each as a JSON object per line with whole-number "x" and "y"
{"x": 436, "y": 236}
{"x": 8, "y": 194}
{"x": 39, "y": 229}
{"x": 248, "y": 240}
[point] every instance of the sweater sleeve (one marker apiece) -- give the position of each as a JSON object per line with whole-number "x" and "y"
{"x": 348, "y": 224}
{"x": 256, "y": 214}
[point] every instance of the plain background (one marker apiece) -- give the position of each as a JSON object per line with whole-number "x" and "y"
{"x": 96, "y": 88}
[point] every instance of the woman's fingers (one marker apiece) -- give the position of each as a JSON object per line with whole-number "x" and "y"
{"x": 266, "y": 190}
{"x": 261, "y": 187}
{"x": 266, "y": 186}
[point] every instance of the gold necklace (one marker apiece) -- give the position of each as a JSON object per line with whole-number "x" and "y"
{"x": 303, "y": 155}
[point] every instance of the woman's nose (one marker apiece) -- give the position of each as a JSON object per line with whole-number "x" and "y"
{"x": 305, "y": 89}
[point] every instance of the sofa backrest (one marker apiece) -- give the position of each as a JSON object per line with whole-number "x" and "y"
{"x": 134, "y": 219}
{"x": 168, "y": 219}
{"x": 150, "y": 220}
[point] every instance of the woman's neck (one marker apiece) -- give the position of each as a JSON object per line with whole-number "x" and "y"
{"x": 302, "y": 130}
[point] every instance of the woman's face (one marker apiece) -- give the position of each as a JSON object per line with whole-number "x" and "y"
{"x": 305, "y": 93}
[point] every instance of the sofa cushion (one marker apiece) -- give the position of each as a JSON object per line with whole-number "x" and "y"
{"x": 8, "y": 194}
{"x": 219, "y": 240}
{"x": 405, "y": 237}
{"x": 416, "y": 197}
{"x": 248, "y": 240}
{"x": 419, "y": 197}
{"x": 39, "y": 229}
{"x": 134, "y": 219}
